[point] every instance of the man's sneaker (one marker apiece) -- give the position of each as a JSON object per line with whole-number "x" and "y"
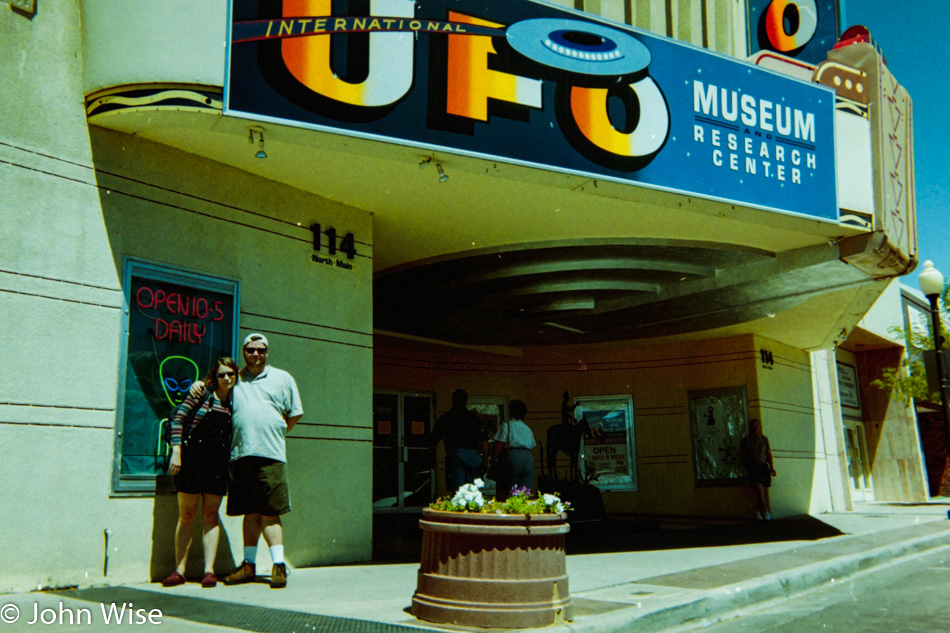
{"x": 244, "y": 573}
{"x": 278, "y": 576}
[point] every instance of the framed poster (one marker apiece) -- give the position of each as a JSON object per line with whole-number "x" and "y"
{"x": 849, "y": 392}
{"x": 176, "y": 324}
{"x": 608, "y": 449}
{"x": 719, "y": 419}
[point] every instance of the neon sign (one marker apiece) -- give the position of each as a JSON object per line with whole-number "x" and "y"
{"x": 179, "y": 304}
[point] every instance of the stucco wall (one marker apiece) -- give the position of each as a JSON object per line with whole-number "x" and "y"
{"x": 135, "y": 41}
{"x": 60, "y": 306}
{"x": 162, "y": 205}
{"x": 893, "y": 439}
{"x": 76, "y": 201}
{"x": 786, "y": 406}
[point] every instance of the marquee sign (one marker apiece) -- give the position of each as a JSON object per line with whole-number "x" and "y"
{"x": 533, "y": 84}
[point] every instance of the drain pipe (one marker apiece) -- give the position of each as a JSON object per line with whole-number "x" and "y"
{"x": 106, "y": 533}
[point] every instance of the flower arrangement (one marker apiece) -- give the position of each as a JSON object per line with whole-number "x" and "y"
{"x": 469, "y": 498}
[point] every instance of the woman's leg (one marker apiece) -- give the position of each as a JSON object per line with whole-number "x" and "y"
{"x": 522, "y": 469}
{"x": 187, "y": 509}
{"x": 212, "y": 531}
{"x": 527, "y": 474}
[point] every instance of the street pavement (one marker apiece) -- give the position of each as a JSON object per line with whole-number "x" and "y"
{"x": 907, "y": 598}
{"x": 625, "y": 575}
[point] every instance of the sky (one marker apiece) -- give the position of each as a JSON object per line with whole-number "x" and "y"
{"x": 911, "y": 36}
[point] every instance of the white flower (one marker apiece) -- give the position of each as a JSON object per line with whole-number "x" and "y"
{"x": 468, "y": 496}
{"x": 550, "y": 500}
{"x": 479, "y": 483}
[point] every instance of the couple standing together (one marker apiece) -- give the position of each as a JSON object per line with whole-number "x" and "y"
{"x": 235, "y": 444}
{"x": 466, "y": 447}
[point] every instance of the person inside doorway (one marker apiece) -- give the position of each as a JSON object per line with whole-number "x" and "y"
{"x": 466, "y": 442}
{"x": 757, "y": 458}
{"x": 515, "y": 438}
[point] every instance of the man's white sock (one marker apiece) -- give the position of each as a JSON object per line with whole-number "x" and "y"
{"x": 250, "y": 553}
{"x": 277, "y": 553}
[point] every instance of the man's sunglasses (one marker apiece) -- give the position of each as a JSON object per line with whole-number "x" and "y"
{"x": 225, "y": 374}
{"x": 255, "y": 350}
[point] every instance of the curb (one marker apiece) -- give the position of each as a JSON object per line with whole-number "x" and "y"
{"x": 717, "y": 604}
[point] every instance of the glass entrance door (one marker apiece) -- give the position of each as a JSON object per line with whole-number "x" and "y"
{"x": 403, "y": 479}
{"x": 859, "y": 471}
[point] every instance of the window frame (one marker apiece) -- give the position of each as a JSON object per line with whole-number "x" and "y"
{"x": 148, "y": 485}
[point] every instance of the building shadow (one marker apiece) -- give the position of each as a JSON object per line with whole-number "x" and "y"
{"x": 398, "y": 538}
{"x": 164, "y": 522}
{"x": 647, "y": 533}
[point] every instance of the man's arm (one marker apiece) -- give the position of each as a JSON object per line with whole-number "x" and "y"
{"x": 768, "y": 456}
{"x": 292, "y": 420}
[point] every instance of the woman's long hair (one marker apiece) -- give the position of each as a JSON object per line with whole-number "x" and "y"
{"x": 212, "y": 378}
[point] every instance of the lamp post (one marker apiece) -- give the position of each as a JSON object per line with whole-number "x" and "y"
{"x": 931, "y": 284}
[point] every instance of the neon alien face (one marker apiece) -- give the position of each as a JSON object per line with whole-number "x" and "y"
{"x": 177, "y": 373}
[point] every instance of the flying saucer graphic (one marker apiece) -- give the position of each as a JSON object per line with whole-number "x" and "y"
{"x": 592, "y": 54}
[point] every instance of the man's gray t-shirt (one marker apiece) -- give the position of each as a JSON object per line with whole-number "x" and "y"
{"x": 261, "y": 404}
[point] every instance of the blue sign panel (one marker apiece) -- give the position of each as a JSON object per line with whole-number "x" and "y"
{"x": 804, "y": 29}
{"x": 536, "y": 85}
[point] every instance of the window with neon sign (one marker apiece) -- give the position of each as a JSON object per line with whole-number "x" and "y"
{"x": 176, "y": 324}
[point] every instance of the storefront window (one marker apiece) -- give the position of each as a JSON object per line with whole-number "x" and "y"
{"x": 609, "y": 454}
{"x": 177, "y": 323}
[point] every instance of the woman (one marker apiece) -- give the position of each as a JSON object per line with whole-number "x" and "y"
{"x": 515, "y": 436}
{"x": 199, "y": 461}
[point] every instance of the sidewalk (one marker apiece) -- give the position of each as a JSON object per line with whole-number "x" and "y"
{"x": 622, "y": 581}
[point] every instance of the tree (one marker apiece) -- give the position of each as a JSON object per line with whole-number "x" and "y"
{"x": 908, "y": 381}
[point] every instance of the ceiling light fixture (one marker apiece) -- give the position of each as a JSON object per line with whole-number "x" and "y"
{"x": 425, "y": 162}
{"x": 259, "y": 131}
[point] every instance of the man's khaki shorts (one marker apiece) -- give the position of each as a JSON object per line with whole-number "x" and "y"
{"x": 258, "y": 485}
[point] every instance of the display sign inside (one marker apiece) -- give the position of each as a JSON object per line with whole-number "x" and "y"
{"x": 848, "y": 390}
{"x": 534, "y": 84}
{"x": 719, "y": 419}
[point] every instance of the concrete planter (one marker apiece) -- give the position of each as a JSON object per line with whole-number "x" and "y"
{"x": 492, "y": 570}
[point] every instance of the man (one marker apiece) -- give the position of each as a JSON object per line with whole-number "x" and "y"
{"x": 757, "y": 457}
{"x": 466, "y": 442}
{"x": 266, "y": 407}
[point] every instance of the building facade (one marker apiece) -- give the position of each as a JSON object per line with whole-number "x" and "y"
{"x": 599, "y": 198}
